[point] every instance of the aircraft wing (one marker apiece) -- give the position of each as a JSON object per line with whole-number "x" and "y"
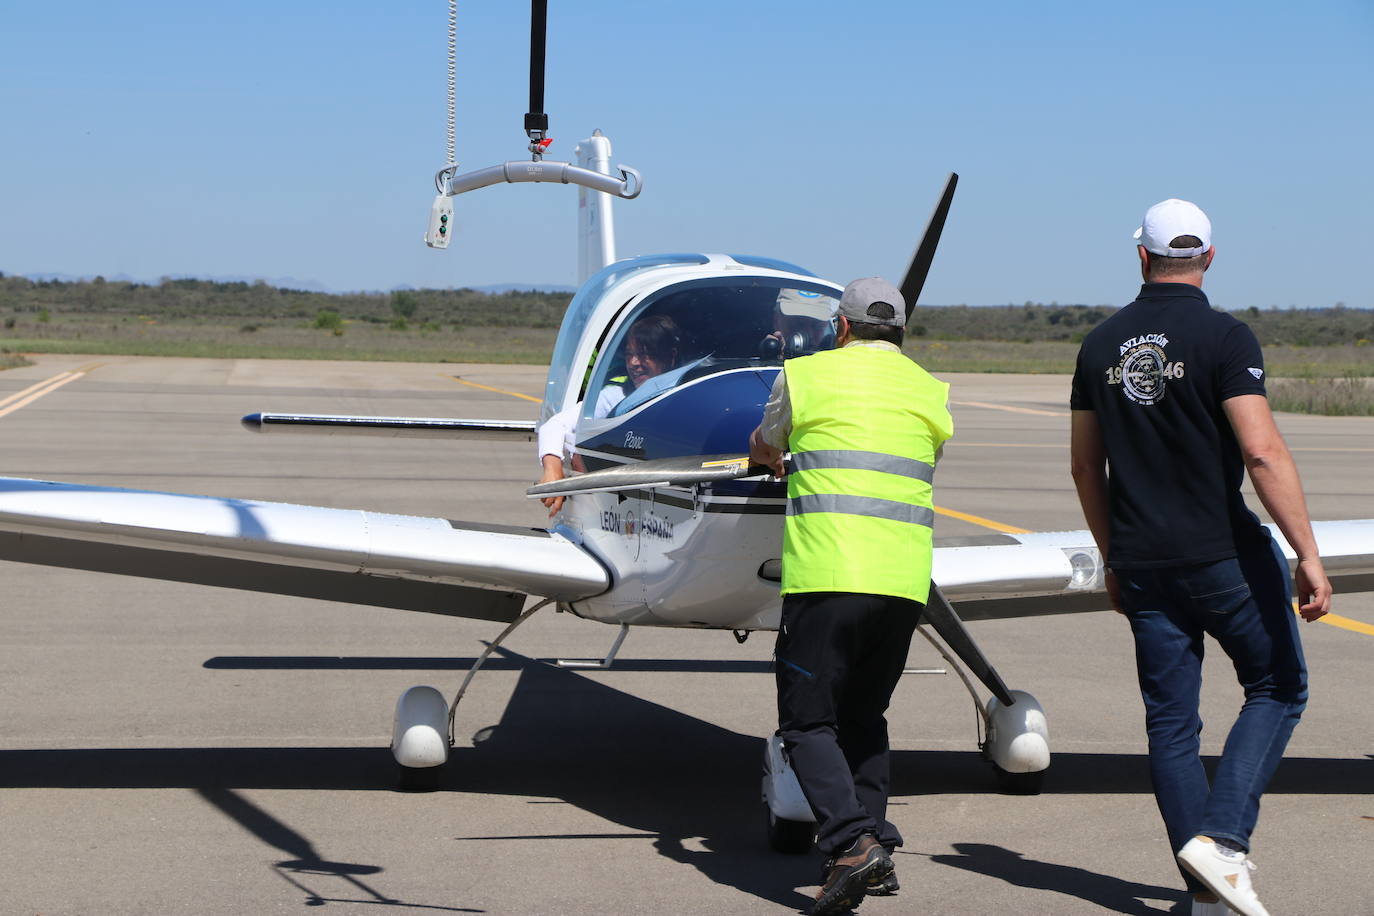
{"x": 1055, "y": 572}
{"x": 423, "y": 564}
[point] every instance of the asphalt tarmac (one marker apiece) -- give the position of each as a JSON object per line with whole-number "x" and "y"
{"x": 169, "y": 748}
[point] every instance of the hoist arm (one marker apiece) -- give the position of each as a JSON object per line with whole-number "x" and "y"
{"x": 627, "y": 186}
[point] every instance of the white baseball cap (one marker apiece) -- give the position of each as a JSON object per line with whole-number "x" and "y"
{"x": 1169, "y": 219}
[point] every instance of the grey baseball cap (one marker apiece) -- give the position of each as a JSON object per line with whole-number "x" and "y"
{"x": 861, "y": 295}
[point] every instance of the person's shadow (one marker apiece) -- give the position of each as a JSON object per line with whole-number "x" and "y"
{"x": 1110, "y": 893}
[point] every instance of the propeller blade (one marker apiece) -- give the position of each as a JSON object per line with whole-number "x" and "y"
{"x": 925, "y": 252}
{"x": 661, "y": 472}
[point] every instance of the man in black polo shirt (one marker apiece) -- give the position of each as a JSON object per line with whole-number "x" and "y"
{"x": 1169, "y": 410}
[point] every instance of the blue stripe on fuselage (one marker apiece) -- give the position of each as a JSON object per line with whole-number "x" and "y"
{"x": 710, "y": 416}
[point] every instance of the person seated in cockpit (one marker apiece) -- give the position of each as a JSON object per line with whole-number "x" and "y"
{"x": 652, "y": 347}
{"x": 801, "y": 324}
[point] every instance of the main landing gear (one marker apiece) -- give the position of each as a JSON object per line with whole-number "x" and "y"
{"x": 422, "y": 729}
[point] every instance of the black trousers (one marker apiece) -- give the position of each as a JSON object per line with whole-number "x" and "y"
{"x": 838, "y": 658}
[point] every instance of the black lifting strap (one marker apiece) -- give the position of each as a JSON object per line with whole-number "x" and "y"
{"x": 536, "y": 121}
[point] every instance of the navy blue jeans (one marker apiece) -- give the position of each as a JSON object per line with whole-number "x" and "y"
{"x": 1244, "y": 603}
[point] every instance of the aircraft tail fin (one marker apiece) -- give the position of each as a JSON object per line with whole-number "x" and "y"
{"x": 595, "y": 224}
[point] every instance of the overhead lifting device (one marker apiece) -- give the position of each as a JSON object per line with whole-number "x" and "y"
{"x": 448, "y": 183}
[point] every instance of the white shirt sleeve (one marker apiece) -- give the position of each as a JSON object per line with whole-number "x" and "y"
{"x": 556, "y": 433}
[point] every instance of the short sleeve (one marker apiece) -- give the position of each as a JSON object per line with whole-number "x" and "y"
{"x": 776, "y": 427}
{"x": 1079, "y": 397}
{"x": 1240, "y": 366}
{"x": 555, "y": 433}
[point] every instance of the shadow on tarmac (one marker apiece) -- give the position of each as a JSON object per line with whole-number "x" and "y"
{"x": 686, "y": 783}
{"x": 307, "y": 864}
{"x": 515, "y": 663}
{"x": 1112, "y": 894}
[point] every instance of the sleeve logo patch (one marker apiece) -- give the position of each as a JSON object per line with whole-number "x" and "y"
{"x": 1257, "y": 373}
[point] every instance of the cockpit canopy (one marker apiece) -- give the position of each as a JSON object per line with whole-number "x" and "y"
{"x": 701, "y": 327}
{"x": 715, "y": 312}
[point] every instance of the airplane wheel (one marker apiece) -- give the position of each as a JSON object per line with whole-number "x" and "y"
{"x": 789, "y": 837}
{"x": 419, "y": 779}
{"x": 1019, "y": 783}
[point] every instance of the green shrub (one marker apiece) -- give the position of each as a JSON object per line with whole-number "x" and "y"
{"x": 329, "y": 320}
{"x": 404, "y": 303}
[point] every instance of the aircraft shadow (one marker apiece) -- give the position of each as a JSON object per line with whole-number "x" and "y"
{"x": 306, "y": 868}
{"x": 1113, "y": 894}
{"x": 689, "y": 784}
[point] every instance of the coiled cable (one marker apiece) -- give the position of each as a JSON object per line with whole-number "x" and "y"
{"x": 452, "y": 81}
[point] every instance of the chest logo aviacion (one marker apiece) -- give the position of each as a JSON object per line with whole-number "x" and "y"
{"x": 1143, "y": 369}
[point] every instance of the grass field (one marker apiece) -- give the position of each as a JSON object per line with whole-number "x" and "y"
{"x": 1058, "y": 357}
{"x": 1350, "y": 396}
{"x": 277, "y": 339}
{"x": 1312, "y": 379}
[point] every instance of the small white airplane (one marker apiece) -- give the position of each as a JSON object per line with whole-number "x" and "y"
{"x": 667, "y": 525}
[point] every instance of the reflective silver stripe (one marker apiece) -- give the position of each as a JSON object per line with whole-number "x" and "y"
{"x": 868, "y": 506}
{"x": 854, "y": 460}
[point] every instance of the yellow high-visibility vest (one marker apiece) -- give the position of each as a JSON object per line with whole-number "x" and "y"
{"x": 866, "y": 425}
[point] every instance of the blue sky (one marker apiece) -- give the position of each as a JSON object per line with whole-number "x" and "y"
{"x": 299, "y": 139}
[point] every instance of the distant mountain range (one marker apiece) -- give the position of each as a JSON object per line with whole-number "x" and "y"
{"x": 286, "y": 283}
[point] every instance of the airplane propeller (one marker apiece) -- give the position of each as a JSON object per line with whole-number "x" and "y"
{"x": 925, "y": 252}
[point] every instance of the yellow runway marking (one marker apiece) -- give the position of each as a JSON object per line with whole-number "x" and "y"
{"x": 515, "y": 394}
{"x": 32, "y": 388}
{"x": 1345, "y": 623}
{"x": 979, "y": 520}
{"x": 1010, "y": 409}
{"x": 32, "y": 393}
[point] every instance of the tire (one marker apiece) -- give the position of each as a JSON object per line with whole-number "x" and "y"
{"x": 1019, "y": 783}
{"x": 419, "y": 779}
{"x": 789, "y": 837}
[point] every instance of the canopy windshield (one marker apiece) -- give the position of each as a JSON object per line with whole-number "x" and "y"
{"x": 585, "y": 304}
{"x": 693, "y": 329}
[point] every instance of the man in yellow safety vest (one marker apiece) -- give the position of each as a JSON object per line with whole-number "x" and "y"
{"x": 865, "y": 426}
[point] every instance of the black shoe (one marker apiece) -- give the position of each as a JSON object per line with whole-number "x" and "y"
{"x": 848, "y": 876}
{"x": 885, "y": 887}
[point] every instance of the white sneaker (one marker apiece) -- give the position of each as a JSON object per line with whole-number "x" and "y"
{"x": 1216, "y": 908}
{"x": 1225, "y": 874}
